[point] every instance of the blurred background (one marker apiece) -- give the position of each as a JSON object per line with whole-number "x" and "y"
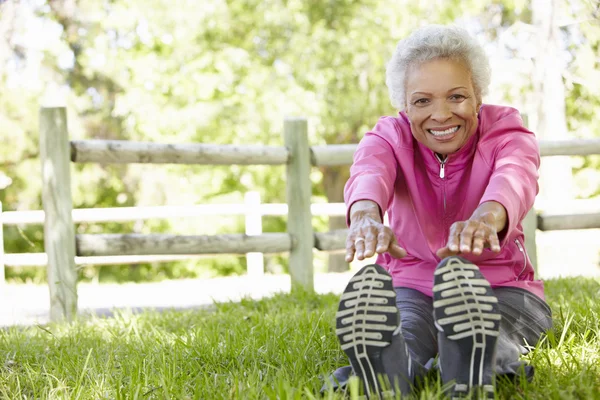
{"x": 229, "y": 71}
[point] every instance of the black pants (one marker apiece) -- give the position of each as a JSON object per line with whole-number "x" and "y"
{"x": 525, "y": 317}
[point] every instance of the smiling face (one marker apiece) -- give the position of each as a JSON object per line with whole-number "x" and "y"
{"x": 441, "y": 104}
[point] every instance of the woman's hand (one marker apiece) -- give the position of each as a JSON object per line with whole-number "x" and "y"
{"x": 368, "y": 235}
{"x": 478, "y": 232}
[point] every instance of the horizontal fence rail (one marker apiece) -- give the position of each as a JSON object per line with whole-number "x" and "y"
{"x": 332, "y": 155}
{"x": 124, "y": 152}
{"x": 138, "y": 244}
{"x": 342, "y": 154}
{"x": 571, "y": 147}
{"x": 161, "y": 244}
{"x": 123, "y": 214}
{"x": 333, "y": 241}
{"x": 41, "y": 259}
{"x": 547, "y": 222}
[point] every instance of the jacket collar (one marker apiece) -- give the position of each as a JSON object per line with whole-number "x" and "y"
{"x": 454, "y": 162}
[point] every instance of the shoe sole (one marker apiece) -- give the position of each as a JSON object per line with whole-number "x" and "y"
{"x": 366, "y": 320}
{"x": 466, "y": 310}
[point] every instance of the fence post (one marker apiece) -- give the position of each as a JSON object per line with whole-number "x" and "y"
{"x": 59, "y": 232}
{"x": 254, "y": 261}
{"x": 530, "y": 222}
{"x": 298, "y": 193}
{"x": 529, "y": 230}
{"x": 2, "y": 274}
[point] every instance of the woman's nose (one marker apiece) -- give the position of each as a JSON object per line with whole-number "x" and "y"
{"x": 441, "y": 113}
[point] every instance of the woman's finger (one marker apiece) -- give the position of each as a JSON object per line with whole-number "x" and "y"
{"x": 494, "y": 242}
{"x": 479, "y": 238}
{"x": 445, "y": 252}
{"x": 370, "y": 243}
{"x": 466, "y": 238}
{"x": 350, "y": 250}
{"x": 453, "y": 236}
{"x": 349, "y": 254}
{"x": 359, "y": 245}
{"x": 396, "y": 251}
{"x": 384, "y": 239}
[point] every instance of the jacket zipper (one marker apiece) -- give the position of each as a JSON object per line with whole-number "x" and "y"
{"x": 443, "y": 176}
{"x": 522, "y": 250}
{"x": 442, "y": 165}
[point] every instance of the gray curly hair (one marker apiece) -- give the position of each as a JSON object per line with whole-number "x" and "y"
{"x": 433, "y": 42}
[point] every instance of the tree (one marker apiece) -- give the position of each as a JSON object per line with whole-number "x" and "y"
{"x": 228, "y": 72}
{"x": 550, "y": 118}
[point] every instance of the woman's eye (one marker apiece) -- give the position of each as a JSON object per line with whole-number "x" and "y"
{"x": 421, "y": 101}
{"x": 458, "y": 97}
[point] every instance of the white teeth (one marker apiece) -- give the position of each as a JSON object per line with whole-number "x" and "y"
{"x": 446, "y": 132}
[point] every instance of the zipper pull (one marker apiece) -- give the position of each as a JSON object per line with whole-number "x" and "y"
{"x": 442, "y": 165}
{"x": 519, "y": 246}
{"x": 522, "y": 250}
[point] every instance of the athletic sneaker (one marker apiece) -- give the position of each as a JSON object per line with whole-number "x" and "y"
{"x": 368, "y": 328}
{"x": 466, "y": 313}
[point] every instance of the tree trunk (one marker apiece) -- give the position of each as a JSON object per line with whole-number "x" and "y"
{"x": 556, "y": 180}
{"x": 8, "y": 13}
{"x": 334, "y": 179}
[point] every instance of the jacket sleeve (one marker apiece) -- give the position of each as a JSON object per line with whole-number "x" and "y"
{"x": 514, "y": 180}
{"x": 373, "y": 171}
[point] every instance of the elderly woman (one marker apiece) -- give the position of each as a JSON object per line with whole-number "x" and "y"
{"x": 456, "y": 178}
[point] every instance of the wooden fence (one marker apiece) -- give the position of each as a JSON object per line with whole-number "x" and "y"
{"x": 62, "y": 245}
{"x": 252, "y": 210}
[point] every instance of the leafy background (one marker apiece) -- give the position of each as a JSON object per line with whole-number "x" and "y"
{"x": 229, "y": 71}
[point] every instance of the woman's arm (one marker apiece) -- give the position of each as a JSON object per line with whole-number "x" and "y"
{"x": 510, "y": 192}
{"x": 514, "y": 180}
{"x": 369, "y": 191}
{"x": 373, "y": 171}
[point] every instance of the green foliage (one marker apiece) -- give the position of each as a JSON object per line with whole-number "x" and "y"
{"x": 582, "y": 88}
{"x": 222, "y": 72}
{"x": 277, "y": 348}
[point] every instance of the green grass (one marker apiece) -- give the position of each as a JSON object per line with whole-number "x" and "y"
{"x": 279, "y": 348}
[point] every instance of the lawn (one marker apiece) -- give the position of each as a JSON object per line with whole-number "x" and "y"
{"x": 278, "y": 348}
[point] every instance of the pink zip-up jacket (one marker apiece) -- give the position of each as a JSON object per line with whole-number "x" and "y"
{"x": 423, "y": 198}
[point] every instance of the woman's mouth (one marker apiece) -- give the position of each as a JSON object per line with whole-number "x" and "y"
{"x": 442, "y": 134}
